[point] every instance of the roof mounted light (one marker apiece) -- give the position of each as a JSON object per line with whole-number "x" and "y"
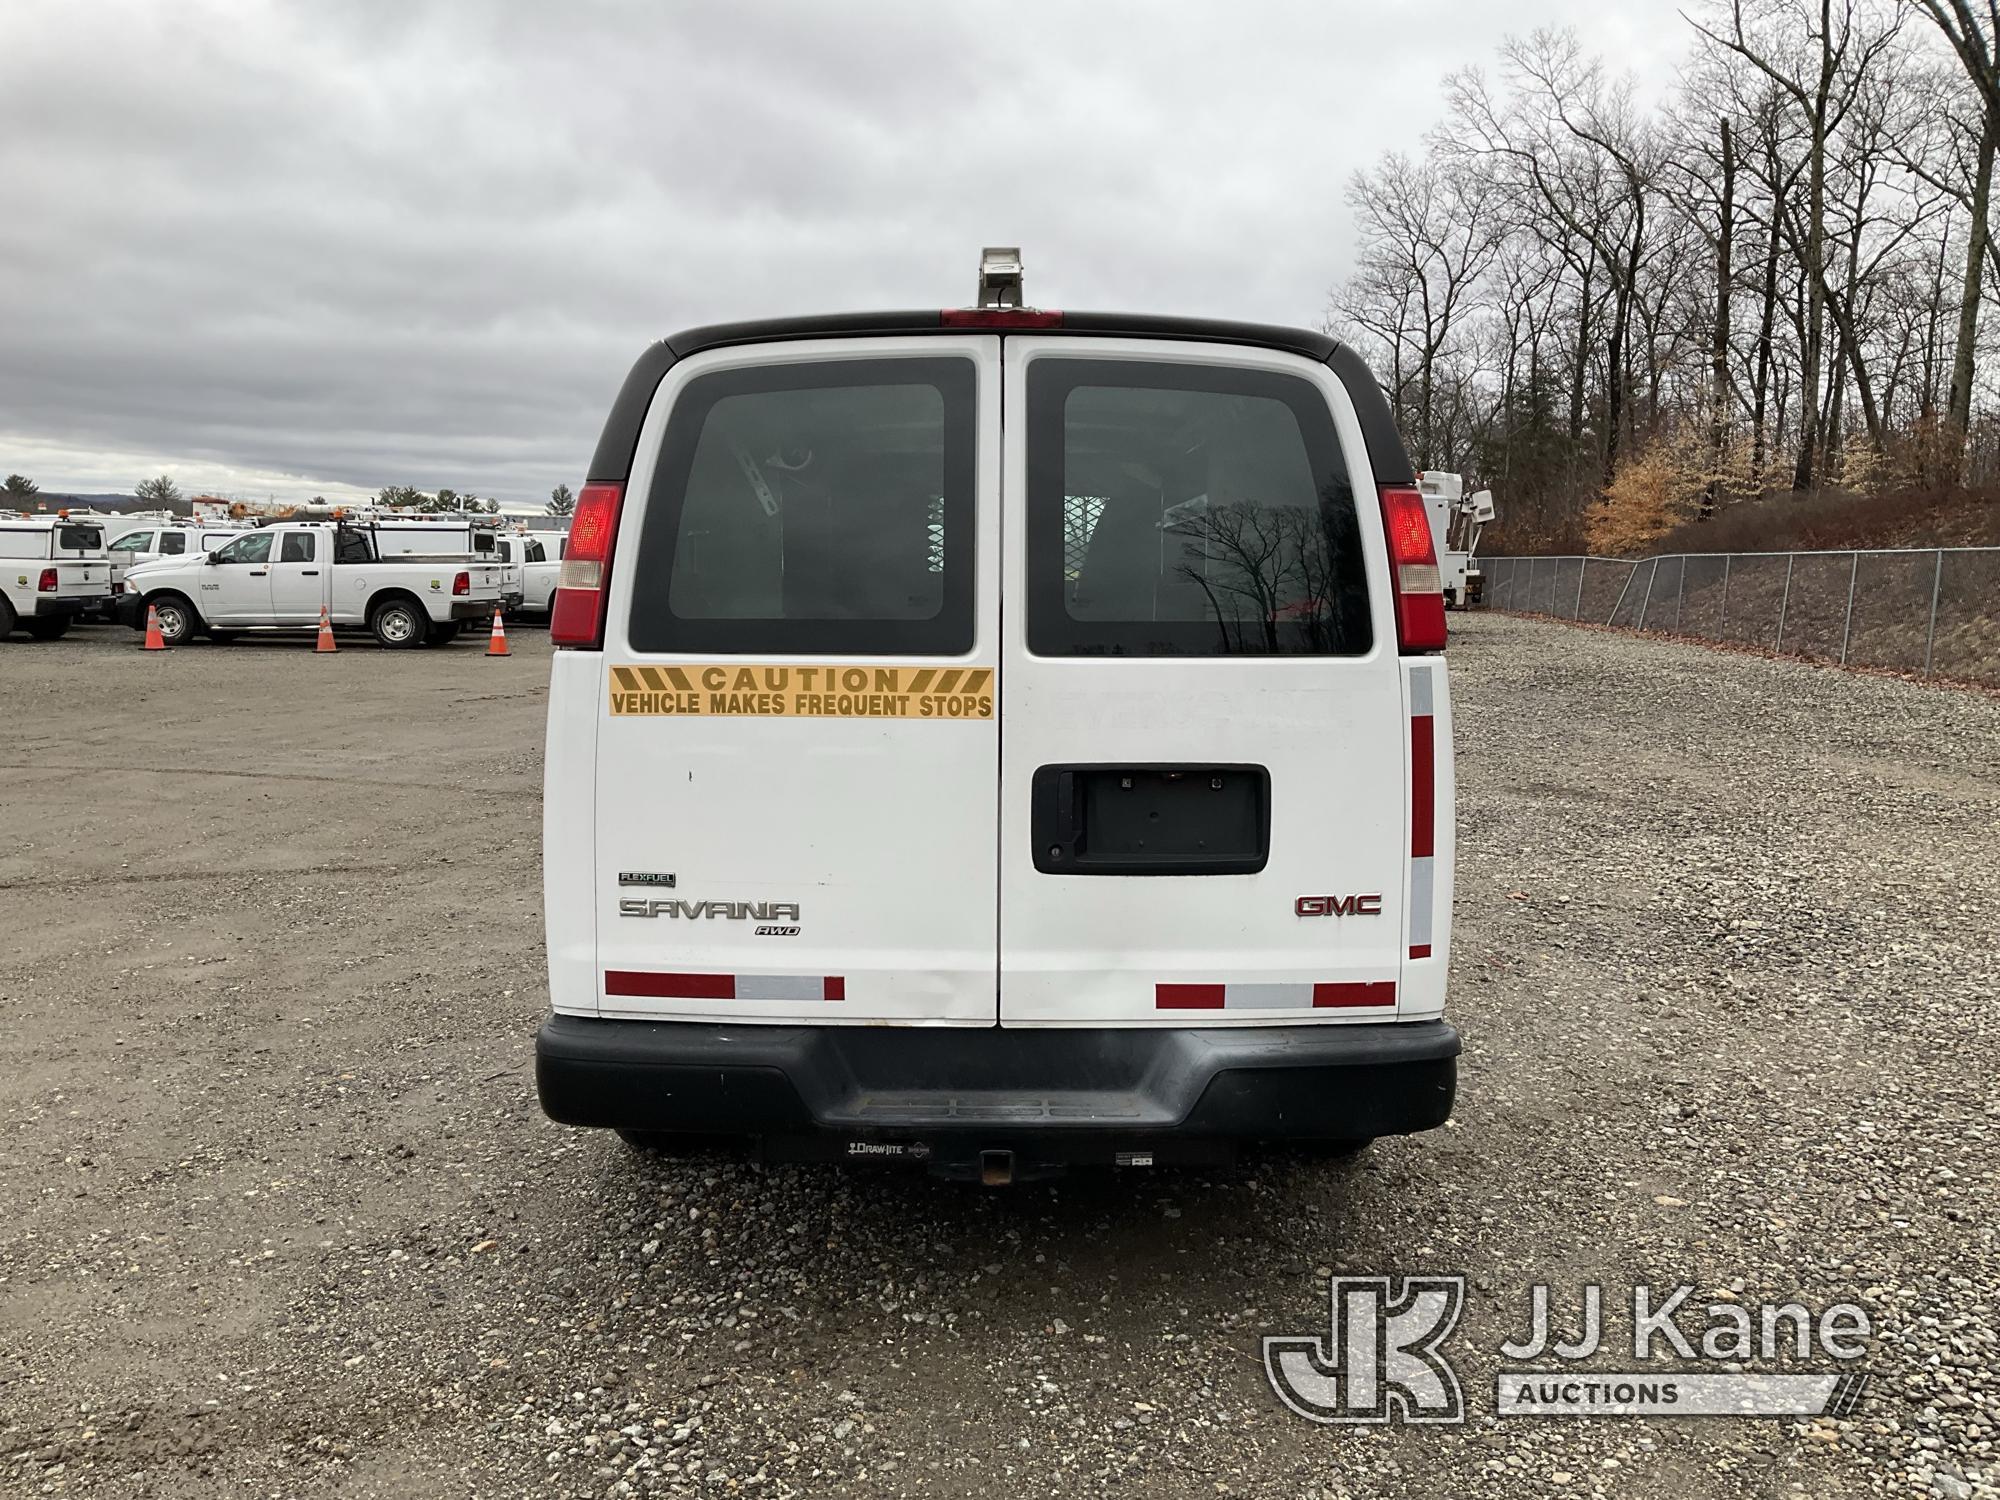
{"x": 999, "y": 277}
{"x": 999, "y": 303}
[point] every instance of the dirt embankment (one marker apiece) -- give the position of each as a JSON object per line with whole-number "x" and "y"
{"x": 1784, "y": 523}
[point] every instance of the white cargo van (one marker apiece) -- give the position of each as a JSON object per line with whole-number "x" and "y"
{"x": 999, "y": 739}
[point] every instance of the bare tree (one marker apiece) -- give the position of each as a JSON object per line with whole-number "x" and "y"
{"x": 1953, "y": 151}
{"x": 1787, "y": 271}
{"x": 1807, "y": 48}
{"x": 1426, "y": 242}
{"x": 1719, "y": 394}
{"x": 1573, "y": 146}
{"x": 1972, "y": 37}
{"x": 1978, "y": 246}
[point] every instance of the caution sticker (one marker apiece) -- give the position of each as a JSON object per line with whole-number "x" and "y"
{"x": 734, "y": 689}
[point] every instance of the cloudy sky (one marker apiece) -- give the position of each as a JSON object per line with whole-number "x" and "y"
{"x": 323, "y": 247}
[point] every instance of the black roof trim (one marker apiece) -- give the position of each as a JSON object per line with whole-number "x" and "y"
{"x": 612, "y": 462}
{"x": 820, "y": 326}
{"x": 1386, "y": 454}
{"x": 1315, "y": 346}
{"x": 1109, "y": 325}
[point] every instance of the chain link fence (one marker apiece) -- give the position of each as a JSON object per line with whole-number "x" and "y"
{"x": 1933, "y": 611}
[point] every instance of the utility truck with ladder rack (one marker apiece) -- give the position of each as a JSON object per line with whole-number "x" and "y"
{"x": 999, "y": 739}
{"x": 281, "y": 574}
{"x": 442, "y": 533}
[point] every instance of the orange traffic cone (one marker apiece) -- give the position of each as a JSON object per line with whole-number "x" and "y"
{"x": 325, "y": 632}
{"x": 496, "y": 644}
{"x": 154, "y": 640}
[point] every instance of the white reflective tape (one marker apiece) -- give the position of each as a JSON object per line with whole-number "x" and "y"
{"x": 1267, "y": 997}
{"x": 780, "y": 987}
{"x": 1423, "y": 873}
{"x": 1420, "y": 692}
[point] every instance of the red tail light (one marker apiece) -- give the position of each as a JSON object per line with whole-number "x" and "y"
{"x": 1001, "y": 317}
{"x": 1413, "y": 571}
{"x": 462, "y": 585}
{"x": 48, "y": 583}
{"x": 585, "y": 579}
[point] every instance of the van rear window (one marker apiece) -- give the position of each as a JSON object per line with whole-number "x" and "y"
{"x": 1188, "y": 510}
{"x": 820, "y": 508}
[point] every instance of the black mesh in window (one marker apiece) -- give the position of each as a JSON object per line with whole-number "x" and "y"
{"x": 1188, "y": 510}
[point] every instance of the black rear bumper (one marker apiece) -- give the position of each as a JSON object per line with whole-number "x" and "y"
{"x": 1052, "y": 1095}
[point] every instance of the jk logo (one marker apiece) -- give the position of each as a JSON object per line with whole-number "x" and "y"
{"x": 1380, "y": 1360}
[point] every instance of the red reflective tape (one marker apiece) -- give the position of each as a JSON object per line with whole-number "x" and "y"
{"x": 1188, "y": 996}
{"x": 670, "y": 986}
{"x": 1420, "y": 950}
{"x": 1423, "y": 787}
{"x": 834, "y": 988}
{"x": 1350, "y": 994}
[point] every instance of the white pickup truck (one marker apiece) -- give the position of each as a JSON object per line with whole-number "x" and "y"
{"x": 52, "y": 569}
{"x": 537, "y": 566}
{"x": 173, "y": 539}
{"x": 279, "y": 576}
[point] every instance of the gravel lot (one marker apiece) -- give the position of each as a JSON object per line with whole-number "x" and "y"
{"x": 279, "y": 1214}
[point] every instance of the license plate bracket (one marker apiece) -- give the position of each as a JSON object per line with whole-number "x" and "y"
{"x": 1152, "y": 819}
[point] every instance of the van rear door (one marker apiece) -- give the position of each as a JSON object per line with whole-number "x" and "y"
{"x": 1203, "y": 806}
{"x": 797, "y": 755}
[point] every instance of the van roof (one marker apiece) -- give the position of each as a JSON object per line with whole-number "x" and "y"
{"x": 612, "y": 461}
